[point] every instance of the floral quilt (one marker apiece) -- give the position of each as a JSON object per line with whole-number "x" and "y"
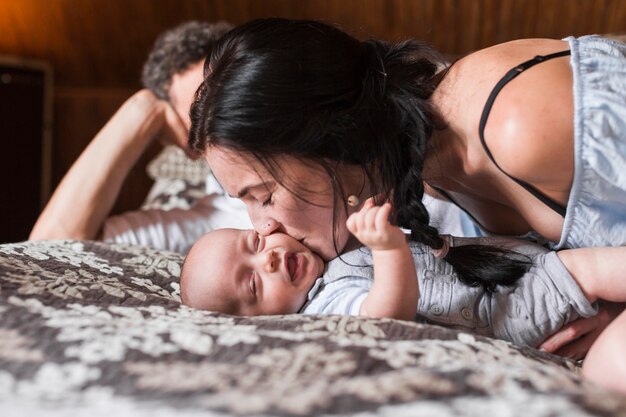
{"x": 94, "y": 329}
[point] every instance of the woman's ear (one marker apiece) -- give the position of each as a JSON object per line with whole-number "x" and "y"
{"x": 354, "y": 181}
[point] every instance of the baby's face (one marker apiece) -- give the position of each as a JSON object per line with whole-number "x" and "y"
{"x": 240, "y": 272}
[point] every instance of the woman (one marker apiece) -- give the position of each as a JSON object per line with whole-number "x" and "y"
{"x": 295, "y": 116}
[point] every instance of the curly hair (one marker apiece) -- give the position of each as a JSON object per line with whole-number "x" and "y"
{"x": 176, "y": 49}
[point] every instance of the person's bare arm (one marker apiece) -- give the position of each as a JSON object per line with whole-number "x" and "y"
{"x": 599, "y": 273}
{"x": 395, "y": 292}
{"x": 575, "y": 338}
{"x": 88, "y": 191}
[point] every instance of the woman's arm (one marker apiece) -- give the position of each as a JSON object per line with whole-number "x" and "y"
{"x": 88, "y": 191}
{"x": 575, "y": 338}
{"x": 599, "y": 272}
{"x": 395, "y": 292}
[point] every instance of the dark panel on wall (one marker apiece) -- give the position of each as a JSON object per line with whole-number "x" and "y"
{"x": 22, "y": 115}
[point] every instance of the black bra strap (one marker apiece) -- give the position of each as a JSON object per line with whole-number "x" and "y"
{"x": 483, "y": 121}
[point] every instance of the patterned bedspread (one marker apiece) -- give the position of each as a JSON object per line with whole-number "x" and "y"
{"x": 93, "y": 329}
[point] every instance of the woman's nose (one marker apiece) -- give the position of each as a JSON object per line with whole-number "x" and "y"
{"x": 266, "y": 226}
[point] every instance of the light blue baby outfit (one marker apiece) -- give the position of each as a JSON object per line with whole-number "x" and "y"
{"x": 540, "y": 303}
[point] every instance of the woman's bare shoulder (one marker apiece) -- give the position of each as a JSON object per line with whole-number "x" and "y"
{"x": 529, "y": 129}
{"x": 513, "y": 51}
{"x": 465, "y": 88}
{"x": 490, "y": 64}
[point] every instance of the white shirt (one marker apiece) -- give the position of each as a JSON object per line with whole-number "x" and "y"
{"x": 178, "y": 228}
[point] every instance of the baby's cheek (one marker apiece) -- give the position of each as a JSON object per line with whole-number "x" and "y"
{"x": 298, "y": 303}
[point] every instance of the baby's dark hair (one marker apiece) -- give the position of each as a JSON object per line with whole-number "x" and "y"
{"x": 306, "y": 89}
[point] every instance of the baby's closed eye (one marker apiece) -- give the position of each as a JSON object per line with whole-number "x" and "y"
{"x": 252, "y": 284}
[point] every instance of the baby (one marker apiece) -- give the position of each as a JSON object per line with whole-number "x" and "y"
{"x": 242, "y": 273}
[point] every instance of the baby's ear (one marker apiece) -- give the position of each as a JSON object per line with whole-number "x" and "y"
{"x": 183, "y": 284}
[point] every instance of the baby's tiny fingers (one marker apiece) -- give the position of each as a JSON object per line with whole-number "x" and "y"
{"x": 351, "y": 223}
{"x": 382, "y": 216}
{"x": 369, "y": 203}
{"x": 370, "y": 217}
{"x": 363, "y": 216}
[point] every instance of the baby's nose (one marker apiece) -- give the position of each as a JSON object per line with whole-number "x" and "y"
{"x": 271, "y": 263}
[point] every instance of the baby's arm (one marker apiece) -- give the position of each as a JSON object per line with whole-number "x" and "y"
{"x": 599, "y": 272}
{"x": 395, "y": 291}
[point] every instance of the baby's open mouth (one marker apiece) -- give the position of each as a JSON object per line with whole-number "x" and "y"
{"x": 292, "y": 266}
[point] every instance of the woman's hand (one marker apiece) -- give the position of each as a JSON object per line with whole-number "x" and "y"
{"x": 371, "y": 226}
{"x": 574, "y": 339}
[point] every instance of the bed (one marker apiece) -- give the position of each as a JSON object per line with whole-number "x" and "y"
{"x": 97, "y": 329}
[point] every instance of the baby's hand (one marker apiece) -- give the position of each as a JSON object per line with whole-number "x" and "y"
{"x": 371, "y": 226}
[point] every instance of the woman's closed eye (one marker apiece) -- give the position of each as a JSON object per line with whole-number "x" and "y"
{"x": 267, "y": 202}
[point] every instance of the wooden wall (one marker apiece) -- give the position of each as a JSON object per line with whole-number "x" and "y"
{"x": 97, "y": 47}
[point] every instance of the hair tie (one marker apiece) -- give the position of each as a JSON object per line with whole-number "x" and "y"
{"x": 443, "y": 250}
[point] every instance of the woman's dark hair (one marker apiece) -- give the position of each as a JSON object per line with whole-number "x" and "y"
{"x": 309, "y": 90}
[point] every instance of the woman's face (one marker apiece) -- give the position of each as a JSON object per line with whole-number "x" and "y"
{"x": 273, "y": 207}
